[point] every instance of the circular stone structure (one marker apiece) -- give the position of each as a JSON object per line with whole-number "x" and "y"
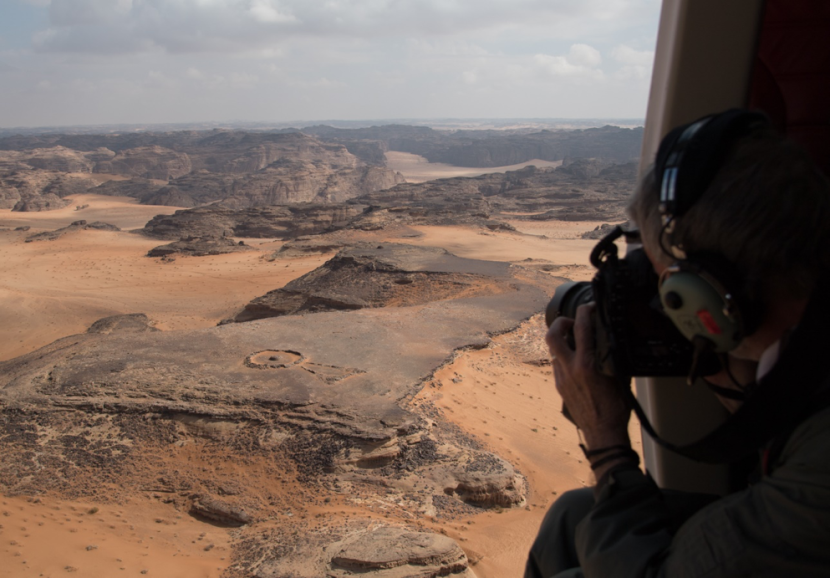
{"x": 274, "y": 359}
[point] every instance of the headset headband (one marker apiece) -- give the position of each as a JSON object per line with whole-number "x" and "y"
{"x": 690, "y": 156}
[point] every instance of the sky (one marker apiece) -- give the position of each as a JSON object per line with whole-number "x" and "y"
{"x": 82, "y": 62}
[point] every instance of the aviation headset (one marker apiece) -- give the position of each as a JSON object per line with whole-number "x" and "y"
{"x": 701, "y": 292}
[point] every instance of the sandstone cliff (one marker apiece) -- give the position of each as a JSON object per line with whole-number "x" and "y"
{"x": 233, "y": 168}
{"x": 23, "y": 188}
{"x": 153, "y": 162}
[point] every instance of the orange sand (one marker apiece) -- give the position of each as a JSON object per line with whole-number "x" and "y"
{"x": 51, "y": 289}
{"x": 50, "y": 537}
{"x": 514, "y": 408}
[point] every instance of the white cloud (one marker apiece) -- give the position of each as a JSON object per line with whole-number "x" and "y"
{"x": 264, "y": 11}
{"x": 176, "y": 26}
{"x": 636, "y": 64}
{"x": 442, "y": 47}
{"x": 260, "y": 59}
{"x": 323, "y": 83}
{"x": 584, "y": 55}
{"x": 627, "y": 55}
{"x": 243, "y": 80}
{"x": 581, "y": 62}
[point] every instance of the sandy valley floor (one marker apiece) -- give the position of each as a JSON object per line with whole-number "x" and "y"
{"x": 51, "y": 289}
{"x": 417, "y": 169}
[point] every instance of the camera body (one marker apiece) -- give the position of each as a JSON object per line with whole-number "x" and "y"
{"x": 633, "y": 336}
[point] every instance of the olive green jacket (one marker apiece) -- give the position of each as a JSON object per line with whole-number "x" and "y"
{"x": 780, "y": 526}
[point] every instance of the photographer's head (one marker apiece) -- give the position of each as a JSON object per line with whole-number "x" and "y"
{"x": 750, "y": 201}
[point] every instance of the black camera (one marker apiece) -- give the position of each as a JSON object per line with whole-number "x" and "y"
{"x": 633, "y": 337}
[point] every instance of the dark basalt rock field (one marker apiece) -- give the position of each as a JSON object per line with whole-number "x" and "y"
{"x": 313, "y": 405}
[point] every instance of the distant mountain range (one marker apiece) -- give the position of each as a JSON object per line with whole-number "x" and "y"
{"x": 242, "y": 169}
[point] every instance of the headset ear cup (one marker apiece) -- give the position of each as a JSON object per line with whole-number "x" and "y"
{"x": 699, "y": 308}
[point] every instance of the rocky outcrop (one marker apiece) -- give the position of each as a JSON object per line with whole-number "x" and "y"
{"x": 359, "y": 547}
{"x": 29, "y": 189}
{"x": 396, "y": 552}
{"x": 200, "y": 247}
{"x": 282, "y": 222}
{"x": 47, "y": 202}
{"x": 219, "y": 511}
{"x": 283, "y": 182}
{"x": 313, "y": 245}
{"x": 153, "y": 162}
{"x": 72, "y": 228}
{"x": 129, "y": 323}
{"x": 57, "y": 159}
{"x": 381, "y": 276}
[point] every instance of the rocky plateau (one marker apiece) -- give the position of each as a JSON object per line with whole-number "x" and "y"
{"x": 308, "y": 399}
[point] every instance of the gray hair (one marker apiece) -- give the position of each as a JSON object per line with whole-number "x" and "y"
{"x": 767, "y": 211}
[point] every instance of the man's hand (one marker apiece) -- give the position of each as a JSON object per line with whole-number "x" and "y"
{"x": 594, "y": 401}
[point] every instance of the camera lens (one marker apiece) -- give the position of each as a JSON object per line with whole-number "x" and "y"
{"x": 567, "y": 298}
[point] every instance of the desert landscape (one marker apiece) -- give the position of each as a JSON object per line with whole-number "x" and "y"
{"x": 290, "y": 354}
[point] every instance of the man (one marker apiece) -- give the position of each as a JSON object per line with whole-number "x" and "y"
{"x": 765, "y": 212}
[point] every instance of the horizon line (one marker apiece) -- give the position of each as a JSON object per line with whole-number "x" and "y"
{"x": 138, "y": 126}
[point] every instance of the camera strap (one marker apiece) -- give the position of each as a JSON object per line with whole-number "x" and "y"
{"x": 794, "y": 389}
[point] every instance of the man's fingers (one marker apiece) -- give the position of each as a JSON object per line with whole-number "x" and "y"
{"x": 556, "y": 338}
{"x": 584, "y": 330}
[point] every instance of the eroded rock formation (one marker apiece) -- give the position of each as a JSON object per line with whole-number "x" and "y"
{"x": 232, "y": 168}
{"x": 29, "y": 189}
{"x": 200, "y": 247}
{"x": 282, "y": 222}
{"x": 566, "y": 193}
{"x": 72, "y": 228}
{"x": 387, "y": 275}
